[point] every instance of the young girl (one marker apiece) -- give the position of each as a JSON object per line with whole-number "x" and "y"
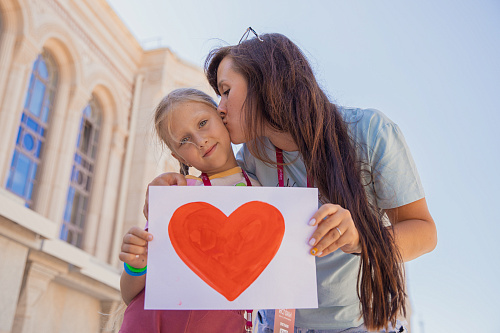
{"x": 186, "y": 120}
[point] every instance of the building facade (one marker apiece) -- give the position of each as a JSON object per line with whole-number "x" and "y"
{"x": 77, "y": 150}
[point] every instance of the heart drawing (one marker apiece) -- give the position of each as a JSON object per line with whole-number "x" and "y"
{"x": 227, "y": 252}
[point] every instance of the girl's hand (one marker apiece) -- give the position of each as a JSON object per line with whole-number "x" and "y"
{"x": 335, "y": 230}
{"x": 134, "y": 249}
{"x": 165, "y": 179}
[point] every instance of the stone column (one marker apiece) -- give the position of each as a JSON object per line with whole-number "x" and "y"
{"x": 11, "y": 274}
{"x": 104, "y": 235}
{"x": 67, "y": 146}
{"x": 7, "y": 49}
{"x": 125, "y": 177}
{"x": 38, "y": 277}
{"x": 99, "y": 183}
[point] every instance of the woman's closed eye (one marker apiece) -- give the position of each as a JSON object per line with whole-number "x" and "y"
{"x": 226, "y": 92}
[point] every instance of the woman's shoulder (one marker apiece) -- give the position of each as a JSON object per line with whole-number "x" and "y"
{"x": 365, "y": 125}
{"x": 364, "y": 117}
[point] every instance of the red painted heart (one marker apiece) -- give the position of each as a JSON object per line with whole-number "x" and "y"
{"x": 227, "y": 252}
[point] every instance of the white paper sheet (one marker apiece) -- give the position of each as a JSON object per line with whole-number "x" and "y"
{"x": 288, "y": 281}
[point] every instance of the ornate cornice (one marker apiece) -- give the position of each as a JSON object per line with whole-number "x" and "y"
{"x": 86, "y": 38}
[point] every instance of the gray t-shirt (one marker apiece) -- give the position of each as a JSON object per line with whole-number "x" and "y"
{"x": 392, "y": 181}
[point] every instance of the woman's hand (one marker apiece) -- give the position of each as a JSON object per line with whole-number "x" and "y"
{"x": 335, "y": 230}
{"x": 165, "y": 179}
{"x": 134, "y": 249}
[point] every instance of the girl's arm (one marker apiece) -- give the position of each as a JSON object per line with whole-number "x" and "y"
{"x": 414, "y": 229}
{"x": 134, "y": 252}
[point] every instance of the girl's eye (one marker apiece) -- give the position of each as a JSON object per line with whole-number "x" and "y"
{"x": 226, "y": 92}
{"x": 203, "y": 123}
{"x": 183, "y": 141}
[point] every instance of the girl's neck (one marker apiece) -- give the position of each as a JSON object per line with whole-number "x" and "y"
{"x": 282, "y": 140}
{"x": 230, "y": 165}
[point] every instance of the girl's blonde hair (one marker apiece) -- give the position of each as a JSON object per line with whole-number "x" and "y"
{"x": 164, "y": 110}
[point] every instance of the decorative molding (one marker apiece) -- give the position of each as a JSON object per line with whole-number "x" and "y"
{"x": 118, "y": 140}
{"x": 40, "y": 8}
{"x": 25, "y": 52}
{"x": 84, "y": 36}
{"x": 154, "y": 75}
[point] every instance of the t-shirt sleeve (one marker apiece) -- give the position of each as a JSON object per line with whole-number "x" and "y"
{"x": 395, "y": 177}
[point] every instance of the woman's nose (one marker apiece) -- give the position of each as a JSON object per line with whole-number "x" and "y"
{"x": 222, "y": 110}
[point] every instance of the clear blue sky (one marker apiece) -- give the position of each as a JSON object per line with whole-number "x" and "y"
{"x": 431, "y": 66}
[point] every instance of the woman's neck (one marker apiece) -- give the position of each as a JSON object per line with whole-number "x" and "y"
{"x": 281, "y": 140}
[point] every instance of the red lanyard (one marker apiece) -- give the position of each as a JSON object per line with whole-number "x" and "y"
{"x": 281, "y": 177}
{"x": 289, "y": 318}
{"x": 207, "y": 182}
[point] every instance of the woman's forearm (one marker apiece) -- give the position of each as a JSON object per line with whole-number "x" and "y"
{"x": 414, "y": 229}
{"x": 415, "y": 238}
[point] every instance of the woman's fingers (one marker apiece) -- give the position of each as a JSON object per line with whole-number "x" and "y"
{"x": 329, "y": 237}
{"x": 169, "y": 179}
{"x": 327, "y": 217}
{"x": 165, "y": 179}
{"x": 335, "y": 230}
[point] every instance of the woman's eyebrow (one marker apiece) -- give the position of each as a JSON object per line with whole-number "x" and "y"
{"x": 220, "y": 83}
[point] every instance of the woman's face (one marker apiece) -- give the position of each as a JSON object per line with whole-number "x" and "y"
{"x": 233, "y": 91}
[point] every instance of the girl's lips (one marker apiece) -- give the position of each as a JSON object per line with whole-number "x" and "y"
{"x": 210, "y": 151}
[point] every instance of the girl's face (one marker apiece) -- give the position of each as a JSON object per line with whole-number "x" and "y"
{"x": 199, "y": 138}
{"x": 233, "y": 91}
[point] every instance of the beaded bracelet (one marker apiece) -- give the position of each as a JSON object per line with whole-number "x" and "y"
{"x": 134, "y": 271}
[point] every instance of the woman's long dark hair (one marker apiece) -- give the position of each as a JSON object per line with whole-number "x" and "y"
{"x": 283, "y": 92}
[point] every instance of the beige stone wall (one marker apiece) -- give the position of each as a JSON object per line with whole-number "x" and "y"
{"x": 47, "y": 284}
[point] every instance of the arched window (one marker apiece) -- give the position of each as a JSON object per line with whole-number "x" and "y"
{"x": 82, "y": 173}
{"x": 33, "y": 128}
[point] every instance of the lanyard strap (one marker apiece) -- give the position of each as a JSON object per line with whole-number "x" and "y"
{"x": 281, "y": 177}
{"x": 207, "y": 182}
{"x": 279, "y": 160}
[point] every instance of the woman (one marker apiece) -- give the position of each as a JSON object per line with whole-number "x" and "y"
{"x": 373, "y": 215}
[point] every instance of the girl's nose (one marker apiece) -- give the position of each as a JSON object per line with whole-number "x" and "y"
{"x": 201, "y": 142}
